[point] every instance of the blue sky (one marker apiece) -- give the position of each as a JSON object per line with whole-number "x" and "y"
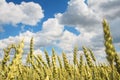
{"x": 50, "y": 8}
{"x": 61, "y": 24}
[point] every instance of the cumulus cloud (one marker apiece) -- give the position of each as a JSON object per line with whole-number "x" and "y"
{"x": 86, "y": 19}
{"x": 52, "y": 27}
{"x": 28, "y": 13}
{"x": 106, "y": 8}
{"x": 67, "y": 41}
{"x": 112, "y": 9}
{"x": 51, "y": 32}
{"x": 38, "y": 52}
{"x": 78, "y": 13}
{"x": 89, "y": 17}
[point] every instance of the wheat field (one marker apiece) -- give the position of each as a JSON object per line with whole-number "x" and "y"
{"x": 57, "y": 68}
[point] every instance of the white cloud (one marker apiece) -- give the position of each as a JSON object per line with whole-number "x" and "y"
{"x": 67, "y": 41}
{"x": 52, "y": 27}
{"x": 38, "y": 52}
{"x": 106, "y": 8}
{"x": 89, "y": 17}
{"x": 78, "y": 13}
{"x": 51, "y": 32}
{"x": 85, "y": 18}
{"x": 28, "y": 13}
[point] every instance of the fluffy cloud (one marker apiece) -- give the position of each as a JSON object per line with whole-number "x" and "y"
{"x": 78, "y": 13}
{"x": 106, "y": 8}
{"x": 26, "y": 13}
{"x": 51, "y": 32}
{"x": 52, "y": 27}
{"x": 67, "y": 41}
{"x": 38, "y": 52}
{"x": 89, "y": 17}
{"x": 11, "y": 40}
{"x": 85, "y": 18}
